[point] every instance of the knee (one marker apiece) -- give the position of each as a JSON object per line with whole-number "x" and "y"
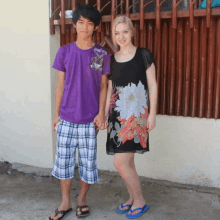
{"x": 119, "y": 165}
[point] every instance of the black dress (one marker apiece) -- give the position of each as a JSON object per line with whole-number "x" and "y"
{"x": 127, "y": 121}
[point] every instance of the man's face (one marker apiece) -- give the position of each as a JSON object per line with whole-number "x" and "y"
{"x": 85, "y": 28}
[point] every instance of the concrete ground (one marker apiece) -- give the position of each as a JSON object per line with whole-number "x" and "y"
{"x": 28, "y": 193}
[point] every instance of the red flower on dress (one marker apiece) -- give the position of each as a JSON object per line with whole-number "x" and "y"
{"x": 135, "y": 127}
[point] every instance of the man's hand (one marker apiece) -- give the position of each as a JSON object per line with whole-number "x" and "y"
{"x": 100, "y": 121}
{"x": 54, "y": 123}
{"x": 151, "y": 122}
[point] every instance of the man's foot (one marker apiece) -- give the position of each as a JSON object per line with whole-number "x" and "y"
{"x": 82, "y": 209}
{"x": 64, "y": 208}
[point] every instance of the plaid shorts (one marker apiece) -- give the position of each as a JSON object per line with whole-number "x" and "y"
{"x": 69, "y": 136}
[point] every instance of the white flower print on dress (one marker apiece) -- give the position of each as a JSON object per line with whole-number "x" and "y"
{"x": 132, "y": 101}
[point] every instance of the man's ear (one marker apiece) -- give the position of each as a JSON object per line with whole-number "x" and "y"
{"x": 96, "y": 28}
{"x": 74, "y": 25}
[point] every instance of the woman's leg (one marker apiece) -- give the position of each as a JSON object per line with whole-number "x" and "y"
{"x": 124, "y": 163}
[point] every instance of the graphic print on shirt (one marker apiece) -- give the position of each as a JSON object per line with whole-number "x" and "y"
{"x": 131, "y": 104}
{"x": 97, "y": 59}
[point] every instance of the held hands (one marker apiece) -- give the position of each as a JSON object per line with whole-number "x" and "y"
{"x": 151, "y": 122}
{"x": 100, "y": 121}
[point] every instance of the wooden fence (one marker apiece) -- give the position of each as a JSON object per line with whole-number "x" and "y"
{"x": 186, "y": 45}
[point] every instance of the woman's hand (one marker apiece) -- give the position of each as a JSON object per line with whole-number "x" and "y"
{"x": 151, "y": 122}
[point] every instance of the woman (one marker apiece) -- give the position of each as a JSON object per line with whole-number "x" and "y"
{"x": 132, "y": 76}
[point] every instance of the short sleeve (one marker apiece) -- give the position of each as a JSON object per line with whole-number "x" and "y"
{"x": 106, "y": 64}
{"x": 59, "y": 60}
{"x": 148, "y": 57}
{"x": 111, "y": 62}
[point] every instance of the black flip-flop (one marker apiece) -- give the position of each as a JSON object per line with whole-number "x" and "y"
{"x": 83, "y": 214}
{"x": 63, "y": 213}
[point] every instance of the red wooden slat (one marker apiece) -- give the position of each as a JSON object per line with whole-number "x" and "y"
{"x": 179, "y": 69}
{"x": 73, "y": 29}
{"x": 63, "y": 25}
{"x": 127, "y": 8}
{"x": 72, "y": 36}
{"x": 172, "y": 71}
{"x": 164, "y": 70}
{"x": 67, "y": 35}
{"x": 52, "y": 26}
{"x": 158, "y": 63}
{"x": 202, "y": 71}
{"x": 62, "y": 39}
{"x": 136, "y": 36}
{"x": 195, "y": 68}
{"x": 191, "y": 13}
{"x": 150, "y": 36}
{"x": 208, "y": 11}
{"x": 145, "y": 36}
{"x": 187, "y": 71}
{"x": 211, "y": 68}
{"x": 141, "y": 23}
{"x": 113, "y": 10}
{"x": 73, "y": 5}
{"x": 217, "y": 77}
{"x": 158, "y": 14}
{"x": 100, "y": 26}
{"x": 174, "y": 14}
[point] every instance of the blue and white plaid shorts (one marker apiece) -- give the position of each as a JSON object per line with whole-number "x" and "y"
{"x": 70, "y": 136}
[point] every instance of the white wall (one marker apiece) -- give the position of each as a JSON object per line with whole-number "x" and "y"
{"x": 184, "y": 150}
{"x": 25, "y": 83}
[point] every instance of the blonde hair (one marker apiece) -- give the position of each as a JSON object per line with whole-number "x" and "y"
{"x": 118, "y": 20}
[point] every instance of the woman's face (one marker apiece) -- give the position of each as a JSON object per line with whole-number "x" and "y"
{"x": 123, "y": 34}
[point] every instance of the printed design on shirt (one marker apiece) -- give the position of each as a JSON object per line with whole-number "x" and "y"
{"x": 97, "y": 59}
{"x": 131, "y": 103}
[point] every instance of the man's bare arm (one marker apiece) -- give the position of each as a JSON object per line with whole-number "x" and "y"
{"x": 59, "y": 96}
{"x": 100, "y": 118}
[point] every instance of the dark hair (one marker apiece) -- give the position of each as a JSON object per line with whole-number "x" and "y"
{"x": 87, "y": 11}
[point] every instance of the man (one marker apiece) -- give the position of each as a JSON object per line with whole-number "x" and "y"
{"x": 81, "y": 91}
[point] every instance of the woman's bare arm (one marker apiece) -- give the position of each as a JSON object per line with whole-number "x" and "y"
{"x": 152, "y": 86}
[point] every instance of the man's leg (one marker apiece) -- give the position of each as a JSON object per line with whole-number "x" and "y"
{"x": 87, "y": 161}
{"x": 65, "y": 186}
{"x": 84, "y": 188}
{"x": 65, "y": 162}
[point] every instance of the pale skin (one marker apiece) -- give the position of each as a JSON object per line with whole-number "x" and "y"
{"x": 84, "y": 29}
{"x": 124, "y": 162}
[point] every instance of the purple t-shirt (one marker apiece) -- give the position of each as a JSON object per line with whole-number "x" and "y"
{"x": 84, "y": 69}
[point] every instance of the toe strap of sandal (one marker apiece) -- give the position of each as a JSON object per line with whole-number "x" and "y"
{"x": 135, "y": 209}
{"x": 57, "y": 212}
{"x": 123, "y": 206}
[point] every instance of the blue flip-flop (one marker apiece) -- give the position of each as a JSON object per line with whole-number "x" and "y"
{"x": 122, "y": 206}
{"x": 143, "y": 210}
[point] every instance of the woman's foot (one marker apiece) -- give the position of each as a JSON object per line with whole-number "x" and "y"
{"x": 137, "y": 204}
{"x": 62, "y": 207}
{"x": 125, "y": 207}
